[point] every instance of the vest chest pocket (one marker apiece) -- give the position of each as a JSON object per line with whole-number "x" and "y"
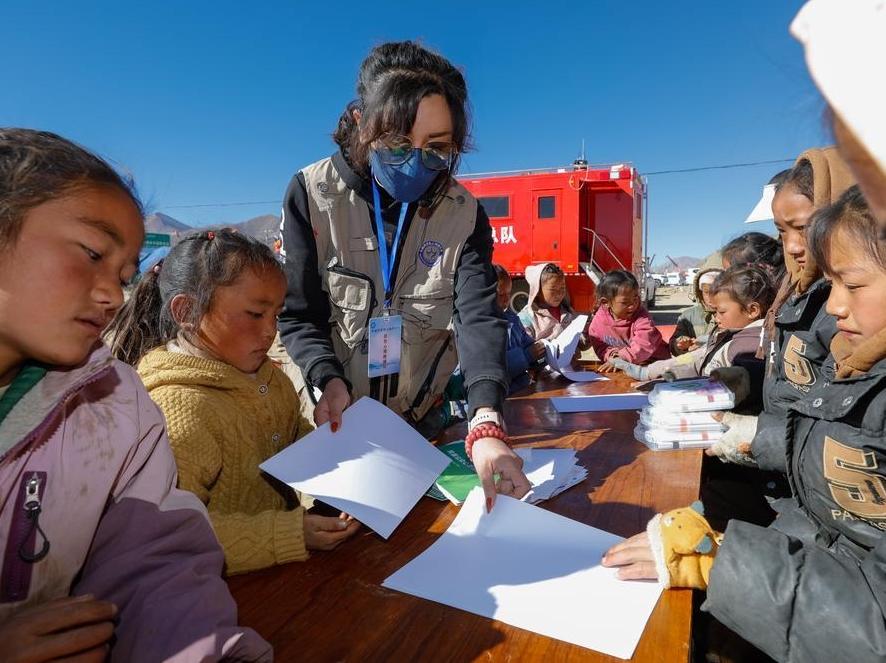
{"x": 425, "y": 314}
{"x": 352, "y": 299}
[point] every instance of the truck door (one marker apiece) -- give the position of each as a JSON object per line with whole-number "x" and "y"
{"x": 546, "y": 217}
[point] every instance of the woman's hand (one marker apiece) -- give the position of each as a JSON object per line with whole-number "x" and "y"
{"x": 78, "y": 627}
{"x": 492, "y": 456}
{"x": 326, "y": 532}
{"x": 635, "y": 558}
{"x": 335, "y": 399}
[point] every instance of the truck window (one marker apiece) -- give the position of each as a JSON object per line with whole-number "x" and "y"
{"x": 497, "y": 207}
{"x": 546, "y": 207}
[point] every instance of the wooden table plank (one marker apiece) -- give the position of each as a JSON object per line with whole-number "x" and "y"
{"x": 333, "y": 607}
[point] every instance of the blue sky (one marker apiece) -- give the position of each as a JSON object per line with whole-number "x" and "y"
{"x": 219, "y": 102}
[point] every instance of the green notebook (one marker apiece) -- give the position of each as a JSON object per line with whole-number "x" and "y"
{"x": 458, "y": 478}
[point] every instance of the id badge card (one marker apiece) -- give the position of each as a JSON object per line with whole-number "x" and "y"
{"x": 385, "y": 335}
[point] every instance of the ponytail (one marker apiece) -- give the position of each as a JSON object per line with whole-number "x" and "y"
{"x": 136, "y": 329}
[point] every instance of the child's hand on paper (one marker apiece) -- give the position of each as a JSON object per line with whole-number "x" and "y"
{"x": 685, "y": 343}
{"x": 327, "y": 532}
{"x": 492, "y": 456}
{"x": 635, "y": 558}
{"x": 537, "y": 350}
{"x": 73, "y": 626}
{"x": 332, "y": 403}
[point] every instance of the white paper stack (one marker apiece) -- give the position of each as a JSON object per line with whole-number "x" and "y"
{"x": 680, "y": 415}
{"x": 550, "y": 471}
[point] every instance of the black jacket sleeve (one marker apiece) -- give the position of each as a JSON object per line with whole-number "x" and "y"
{"x": 304, "y": 324}
{"x": 480, "y": 330}
{"x": 798, "y": 601}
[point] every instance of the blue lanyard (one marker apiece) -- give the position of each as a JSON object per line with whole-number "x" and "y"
{"x": 387, "y": 258}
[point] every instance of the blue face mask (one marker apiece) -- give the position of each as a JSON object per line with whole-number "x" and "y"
{"x": 407, "y": 181}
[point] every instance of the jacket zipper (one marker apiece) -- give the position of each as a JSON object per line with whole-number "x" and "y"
{"x": 21, "y": 553}
{"x": 15, "y": 574}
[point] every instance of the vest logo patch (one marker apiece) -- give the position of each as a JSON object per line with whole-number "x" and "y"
{"x": 797, "y": 368}
{"x": 854, "y": 481}
{"x": 430, "y": 253}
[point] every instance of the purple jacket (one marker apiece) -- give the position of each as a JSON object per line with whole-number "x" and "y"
{"x": 93, "y": 444}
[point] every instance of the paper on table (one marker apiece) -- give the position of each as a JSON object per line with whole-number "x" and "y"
{"x": 533, "y": 569}
{"x": 581, "y": 376}
{"x": 560, "y": 352}
{"x": 375, "y": 468}
{"x": 600, "y": 402}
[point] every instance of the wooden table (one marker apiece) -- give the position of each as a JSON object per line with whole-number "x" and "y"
{"x": 333, "y": 608}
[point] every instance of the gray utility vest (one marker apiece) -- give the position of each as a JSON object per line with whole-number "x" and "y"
{"x": 423, "y": 293}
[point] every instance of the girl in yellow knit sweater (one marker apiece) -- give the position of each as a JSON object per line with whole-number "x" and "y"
{"x": 199, "y": 327}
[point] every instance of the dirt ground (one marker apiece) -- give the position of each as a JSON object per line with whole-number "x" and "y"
{"x": 669, "y": 301}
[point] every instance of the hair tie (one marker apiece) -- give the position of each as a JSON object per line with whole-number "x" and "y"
{"x": 210, "y": 235}
{"x": 156, "y": 268}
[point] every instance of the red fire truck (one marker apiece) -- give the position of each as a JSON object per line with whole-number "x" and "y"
{"x": 585, "y": 219}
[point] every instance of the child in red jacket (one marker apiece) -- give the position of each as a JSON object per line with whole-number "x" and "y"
{"x": 621, "y": 327}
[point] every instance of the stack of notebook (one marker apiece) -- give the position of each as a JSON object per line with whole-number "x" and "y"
{"x": 680, "y": 415}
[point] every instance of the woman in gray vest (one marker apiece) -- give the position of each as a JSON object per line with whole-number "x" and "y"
{"x": 389, "y": 262}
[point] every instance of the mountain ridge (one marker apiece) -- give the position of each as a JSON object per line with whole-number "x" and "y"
{"x": 264, "y": 227}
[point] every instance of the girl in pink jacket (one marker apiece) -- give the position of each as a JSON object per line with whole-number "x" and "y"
{"x": 102, "y": 557}
{"x": 621, "y": 327}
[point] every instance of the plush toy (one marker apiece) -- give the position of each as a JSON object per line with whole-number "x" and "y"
{"x": 684, "y": 546}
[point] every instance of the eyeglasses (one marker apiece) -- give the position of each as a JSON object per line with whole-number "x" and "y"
{"x": 395, "y": 150}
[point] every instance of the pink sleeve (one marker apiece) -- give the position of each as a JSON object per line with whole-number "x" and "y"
{"x": 646, "y": 341}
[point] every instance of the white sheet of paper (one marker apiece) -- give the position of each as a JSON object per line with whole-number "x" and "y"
{"x": 533, "y": 569}
{"x": 560, "y": 352}
{"x": 582, "y": 376}
{"x": 600, "y": 402}
{"x": 567, "y": 341}
{"x": 375, "y": 468}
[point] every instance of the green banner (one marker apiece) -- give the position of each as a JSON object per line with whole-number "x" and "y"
{"x": 153, "y": 240}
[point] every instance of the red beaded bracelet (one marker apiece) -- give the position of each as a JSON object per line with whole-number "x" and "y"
{"x": 481, "y": 431}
